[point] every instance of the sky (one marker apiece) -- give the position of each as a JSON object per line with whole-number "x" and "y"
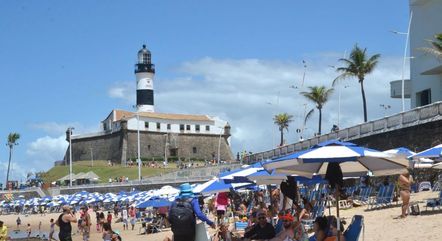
{"x": 69, "y": 63}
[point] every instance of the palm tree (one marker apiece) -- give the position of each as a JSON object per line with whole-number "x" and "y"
{"x": 358, "y": 65}
{"x": 12, "y": 141}
{"x": 318, "y": 95}
{"x": 436, "y": 48}
{"x": 282, "y": 121}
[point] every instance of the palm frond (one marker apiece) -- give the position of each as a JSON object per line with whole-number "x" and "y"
{"x": 308, "y": 116}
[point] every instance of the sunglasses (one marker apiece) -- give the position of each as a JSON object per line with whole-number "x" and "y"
{"x": 261, "y": 218}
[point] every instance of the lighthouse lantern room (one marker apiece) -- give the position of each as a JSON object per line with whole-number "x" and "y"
{"x": 145, "y": 72}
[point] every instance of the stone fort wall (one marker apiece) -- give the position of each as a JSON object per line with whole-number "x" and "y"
{"x": 122, "y": 145}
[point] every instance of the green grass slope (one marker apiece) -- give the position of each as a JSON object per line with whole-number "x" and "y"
{"x": 104, "y": 171}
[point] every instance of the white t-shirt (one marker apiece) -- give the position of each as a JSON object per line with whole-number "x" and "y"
{"x": 124, "y": 214}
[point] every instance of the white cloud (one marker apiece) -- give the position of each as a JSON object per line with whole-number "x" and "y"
{"x": 17, "y": 171}
{"x": 124, "y": 91}
{"x": 47, "y": 149}
{"x": 56, "y": 129}
{"x": 239, "y": 90}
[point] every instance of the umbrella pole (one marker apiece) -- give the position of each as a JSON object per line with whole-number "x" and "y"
{"x": 338, "y": 235}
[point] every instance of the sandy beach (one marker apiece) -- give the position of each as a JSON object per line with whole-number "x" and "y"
{"x": 381, "y": 224}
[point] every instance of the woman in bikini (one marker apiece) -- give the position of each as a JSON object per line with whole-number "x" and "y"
{"x": 404, "y": 182}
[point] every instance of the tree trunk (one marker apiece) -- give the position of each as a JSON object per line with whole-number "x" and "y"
{"x": 9, "y": 165}
{"x": 364, "y": 102}
{"x": 320, "y": 121}
{"x": 282, "y": 137}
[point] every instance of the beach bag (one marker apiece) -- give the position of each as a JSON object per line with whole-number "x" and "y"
{"x": 415, "y": 209}
{"x": 182, "y": 218}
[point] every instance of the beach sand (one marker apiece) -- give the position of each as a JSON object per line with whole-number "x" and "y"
{"x": 381, "y": 224}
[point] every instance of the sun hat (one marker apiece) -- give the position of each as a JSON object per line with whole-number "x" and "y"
{"x": 186, "y": 190}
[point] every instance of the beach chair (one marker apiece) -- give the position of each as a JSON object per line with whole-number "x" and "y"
{"x": 372, "y": 202}
{"x": 435, "y": 202}
{"x": 354, "y": 230}
{"x": 424, "y": 186}
{"x": 364, "y": 195}
{"x": 318, "y": 211}
{"x": 387, "y": 198}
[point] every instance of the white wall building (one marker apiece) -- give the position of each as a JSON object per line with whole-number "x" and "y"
{"x": 425, "y": 69}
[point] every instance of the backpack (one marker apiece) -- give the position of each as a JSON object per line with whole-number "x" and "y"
{"x": 182, "y": 218}
{"x": 415, "y": 210}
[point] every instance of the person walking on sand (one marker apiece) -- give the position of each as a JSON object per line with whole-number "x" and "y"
{"x": 86, "y": 223}
{"x": 132, "y": 214}
{"x": 125, "y": 217}
{"x": 3, "y": 232}
{"x": 404, "y": 182}
{"x": 64, "y": 222}
{"x": 18, "y": 221}
{"x": 51, "y": 230}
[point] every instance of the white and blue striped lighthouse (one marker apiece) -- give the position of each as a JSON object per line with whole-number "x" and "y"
{"x": 145, "y": 72}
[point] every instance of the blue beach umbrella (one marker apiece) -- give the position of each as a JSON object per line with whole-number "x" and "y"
{"x": 156, "y": 203}
{"x": 218, "y": 185}
{"x": 434, "y": 152}
{"x": 354, "y": 161}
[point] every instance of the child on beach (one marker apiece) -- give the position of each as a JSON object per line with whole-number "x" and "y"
{"x": 29, "y": 230}
{"x": 51, "y": 230}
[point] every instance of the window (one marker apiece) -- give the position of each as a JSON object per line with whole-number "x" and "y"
{"x": 194, "y": 151}
{"x": 146, "y": 125}
{"x": 168, "y": 126}
{"x": 197, "y": 128}
{"x": 188, "y": 127}
{"x": 207, "y": 128}
{"x": 148, "y": 147}
{"x": 423, "y": 97}
{"x": 104, "y": 126}
{"x": 158, "y": 125}
{"x": 181, "y": 127}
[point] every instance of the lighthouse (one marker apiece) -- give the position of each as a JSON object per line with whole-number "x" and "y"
{"x": 145, "y": 72}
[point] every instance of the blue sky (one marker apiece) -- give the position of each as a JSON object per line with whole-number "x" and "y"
{"x": 71, "y": 62}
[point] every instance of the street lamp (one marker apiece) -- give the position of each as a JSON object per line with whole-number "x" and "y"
{"x": 138, "y": 146}
{"x": 70, "y": 154}
{"x": 165, "y": 148}
{"x": 404, "y": 61}
{"x": 92, "y": 156}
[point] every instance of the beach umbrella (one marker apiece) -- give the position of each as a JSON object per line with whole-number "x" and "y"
{"x": 336, "y": 159}
{"x": 156, "y": 203}
{"x": 242, "y": 172}
{"x": 352, "y": 159}
{"x": 419, "y": 162}
{"x": 437, "y": 165}
{"x": 265, "y": 178}
{"x": 217, "y": 185}
{"x": 400, "y": 151}
{"x": 434, "y": 152}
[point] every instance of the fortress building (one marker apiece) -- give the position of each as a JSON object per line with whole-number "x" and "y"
{"x": 162, "y": 136}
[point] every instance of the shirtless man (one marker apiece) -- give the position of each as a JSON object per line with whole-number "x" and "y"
{"x": 405, "y": 181}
